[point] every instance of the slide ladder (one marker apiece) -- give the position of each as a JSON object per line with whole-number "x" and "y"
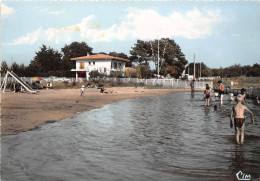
{"x": 20, "y": 81}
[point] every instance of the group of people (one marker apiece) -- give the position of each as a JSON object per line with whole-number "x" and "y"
{"x": 220, "y": 93}
{"x": 237, "y": 112}
{"x": 82, "y": 90}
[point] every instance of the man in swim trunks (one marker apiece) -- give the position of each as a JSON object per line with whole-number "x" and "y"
{"x": 239, "y": 121}
{"x": 220, "y": 91}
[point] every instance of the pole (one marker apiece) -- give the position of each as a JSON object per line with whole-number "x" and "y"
{"x": 194, "y": 68}
{"x": 158, "y": 57}
{"x": 200, "y": 69}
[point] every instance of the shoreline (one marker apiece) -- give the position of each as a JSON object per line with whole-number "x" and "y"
{"x": 22, "y": 112}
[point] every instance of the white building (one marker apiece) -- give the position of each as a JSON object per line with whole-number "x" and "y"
{"x": 100, "y": 62}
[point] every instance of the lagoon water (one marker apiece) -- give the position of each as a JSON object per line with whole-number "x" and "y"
{"x": 172, "y": 137}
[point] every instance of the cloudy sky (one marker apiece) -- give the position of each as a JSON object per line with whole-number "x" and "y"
{"x": 219, "y": 33}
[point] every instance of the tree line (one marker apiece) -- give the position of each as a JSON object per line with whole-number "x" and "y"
{"x": 235, "y": 70}
{"x": 172, "y": 62}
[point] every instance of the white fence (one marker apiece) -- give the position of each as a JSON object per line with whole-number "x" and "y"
{"x": 174, "y": 83}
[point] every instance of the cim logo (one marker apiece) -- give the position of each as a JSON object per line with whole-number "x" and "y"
{"x": 243, "y": 176}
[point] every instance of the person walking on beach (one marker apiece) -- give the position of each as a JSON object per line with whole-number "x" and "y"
{"x": 220, "y": 91}
{"x": 82, "y": 89}
{"x": 207, "y": 95}
{"x": 239, "y": 121}
{"x": 192, "y": 85}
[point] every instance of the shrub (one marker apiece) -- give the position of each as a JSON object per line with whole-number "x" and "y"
{"x": 130, "y": 73}
{"x": 116, "y": 74}
{"x": 95, "y": 73}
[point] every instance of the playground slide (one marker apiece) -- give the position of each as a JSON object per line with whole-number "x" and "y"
{"x": 27, "y": 87}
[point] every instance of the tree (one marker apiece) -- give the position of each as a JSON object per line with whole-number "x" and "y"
{"x": 18, "y": 69}
{"x": 4, "y": 68}
{"x": 73, "y": 50}
{"x": 35, "y": 69}
{"x": 171, "y": 70}
{"x": 205, "y": 71}
{"x": 144, "y": 71}
{"x": 255, "y": 70}
{"x": 121, "y": 55}
{"x": 169, "y": 52}
{"x": 47, "y": 60}
{"x": 141, "y": 52}
{"x": 22, "y": 70}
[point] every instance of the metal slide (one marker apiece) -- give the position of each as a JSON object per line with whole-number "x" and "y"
{"x": 27, "y": 87}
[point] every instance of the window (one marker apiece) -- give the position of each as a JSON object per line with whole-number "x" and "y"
{"x": 105, "y": 70}
{"x": 119, "y": 65}
{"x": 89, "y": 63}
{"x": 115, "y": 65}
{"x": 81, "y": 65}
{"x": 94, "y": 63}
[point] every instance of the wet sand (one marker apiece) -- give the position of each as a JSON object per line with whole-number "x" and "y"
{"x": 23, "y": 111}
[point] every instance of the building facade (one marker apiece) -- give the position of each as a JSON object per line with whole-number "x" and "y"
{"x": 100, "y": 62}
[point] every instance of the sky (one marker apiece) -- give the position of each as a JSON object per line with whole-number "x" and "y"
{"x": 218, "y": 33}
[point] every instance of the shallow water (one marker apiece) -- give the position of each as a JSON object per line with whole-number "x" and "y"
{"x": 172, "y": 137}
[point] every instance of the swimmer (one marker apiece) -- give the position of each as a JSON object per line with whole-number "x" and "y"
{"x": 231, "y": 97}
{"x": 215, "y": 107}
{"x": 243, "y": 93}
{"x": 207, "y": 95}
{"x": 239, "y": 121}
{"x": 221, "y": 91}
{"x": 192, "y": 85}
{"x": 257, "y": 100}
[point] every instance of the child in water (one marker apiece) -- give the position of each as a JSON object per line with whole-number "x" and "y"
{"x": 243, "y": 93}
{"x": 257, "y": 100}
{"x": 239, "y": 121}
{"x": 207, "y": 95}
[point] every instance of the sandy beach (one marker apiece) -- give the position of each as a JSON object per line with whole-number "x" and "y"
{"x": 23, "y": 111}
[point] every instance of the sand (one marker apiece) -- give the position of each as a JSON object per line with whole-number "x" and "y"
{"x": 24, "y": 111}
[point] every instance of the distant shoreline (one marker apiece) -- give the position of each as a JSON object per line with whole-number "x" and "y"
{"x": 23, "y": 111}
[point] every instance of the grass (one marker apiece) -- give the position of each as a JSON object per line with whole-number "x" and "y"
{"x": 240, "y": 82}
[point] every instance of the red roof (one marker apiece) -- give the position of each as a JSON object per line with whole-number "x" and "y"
{"x": 99, "y": 57}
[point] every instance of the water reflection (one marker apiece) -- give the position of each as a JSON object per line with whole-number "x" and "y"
{"x": 206, "y": 110}
{"x": 192, "y": 94}
{"x": 237, "y": 161}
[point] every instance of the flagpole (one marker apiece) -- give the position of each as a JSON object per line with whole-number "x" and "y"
{"x": 194, "y": 68}
{"x": 158, "y": 57}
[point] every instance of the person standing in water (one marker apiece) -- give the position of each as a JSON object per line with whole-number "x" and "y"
{"x": 239, "y": 121}
{"x": 192, "y": 85}
{"x": 220, "y": 91}
{"x": 243, "y": 93}
{"x": 207, "y": 95}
